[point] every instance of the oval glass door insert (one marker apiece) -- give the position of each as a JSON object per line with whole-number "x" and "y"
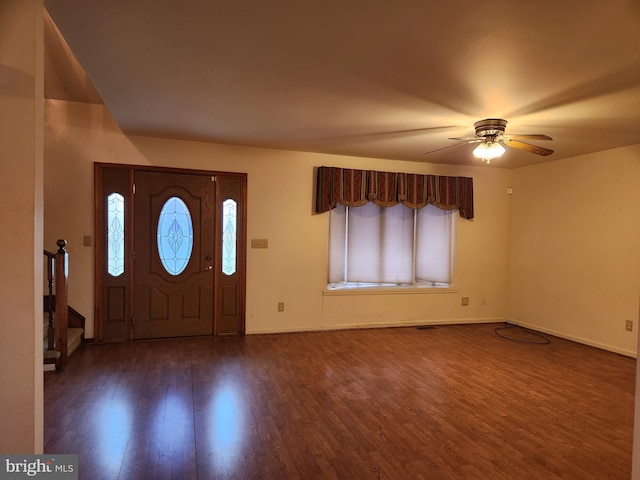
{"x": 175, "y": 236}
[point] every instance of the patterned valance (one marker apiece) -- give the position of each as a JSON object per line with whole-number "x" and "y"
{"x": 354, "y": 188}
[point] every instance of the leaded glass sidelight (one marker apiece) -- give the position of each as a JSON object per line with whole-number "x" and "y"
{"x": 115, "y": 234}
{"x": 175, "y": 236}
{"x": 229, "y": 227}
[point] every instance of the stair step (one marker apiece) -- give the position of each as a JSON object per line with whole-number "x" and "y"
{"x": 74, "y": 340}
{"x": 51, "y": 355}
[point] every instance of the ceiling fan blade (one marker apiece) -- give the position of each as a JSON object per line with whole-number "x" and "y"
{"x": 525, "y": 136}
{"x": 528, "y": 147}
{"x": 358, "y": 135}
{"x": 467, "y": 139}
{"x": 445, "y": 148}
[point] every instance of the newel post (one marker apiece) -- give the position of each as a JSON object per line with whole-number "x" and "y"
{"x": 62, "y": 305}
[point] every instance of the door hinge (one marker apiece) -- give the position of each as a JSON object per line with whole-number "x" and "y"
{"x": 133, "y": 320}
{"x": 134, "y": 256}
{"x": 133, "y": 188}
{"x": 213, "y": 178}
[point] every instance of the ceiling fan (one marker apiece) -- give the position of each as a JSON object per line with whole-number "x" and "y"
{"x": 492, "y": 139}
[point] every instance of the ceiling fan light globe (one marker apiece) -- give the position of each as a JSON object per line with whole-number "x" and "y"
{"x": 488, "y": 150}
{"x": 480, "y": 150}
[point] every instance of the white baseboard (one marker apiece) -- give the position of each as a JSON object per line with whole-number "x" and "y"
{"x": 573, "y": 338}
{"x": 457, "y": 321}
{"x": 355, "y": 326}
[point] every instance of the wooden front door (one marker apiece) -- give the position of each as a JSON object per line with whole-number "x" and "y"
{"x": 173, "y": 255}
{"x": 182, "y": 272}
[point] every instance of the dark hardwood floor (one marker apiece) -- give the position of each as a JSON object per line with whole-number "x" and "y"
{"x": 452, "y": 402}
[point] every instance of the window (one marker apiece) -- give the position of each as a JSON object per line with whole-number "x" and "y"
{"x": 229, "y": 233}
{"x": 393, "y": 246}
{"x": 175, "y": 236}
{"x": 115, "y": 234}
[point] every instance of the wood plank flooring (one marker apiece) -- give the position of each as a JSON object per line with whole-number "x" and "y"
{"x": 452, "y": 402}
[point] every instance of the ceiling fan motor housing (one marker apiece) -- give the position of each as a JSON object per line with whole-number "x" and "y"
{"x": 490, "y": 127}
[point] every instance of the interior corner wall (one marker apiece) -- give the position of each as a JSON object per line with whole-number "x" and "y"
{"x": 293, "y": 269}
{"x": 21, "y": 125}
{"x": 574, "y": 267}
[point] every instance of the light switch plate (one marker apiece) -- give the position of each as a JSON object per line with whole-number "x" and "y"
{"x": 259, "y": 243}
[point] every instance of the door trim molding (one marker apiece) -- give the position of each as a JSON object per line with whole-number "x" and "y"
{"x": 100, "y": 242}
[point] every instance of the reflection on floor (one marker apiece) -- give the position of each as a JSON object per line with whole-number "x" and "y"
{"x": 448, "y": 402}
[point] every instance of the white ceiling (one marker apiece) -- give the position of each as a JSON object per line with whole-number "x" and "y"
{"x": 370, "y": 78}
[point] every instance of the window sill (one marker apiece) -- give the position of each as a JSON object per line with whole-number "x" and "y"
{"x": 388, "y": 291}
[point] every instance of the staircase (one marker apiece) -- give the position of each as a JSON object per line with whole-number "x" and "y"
{"x": 63, "y": 328}
{"x": 75, "y": 338}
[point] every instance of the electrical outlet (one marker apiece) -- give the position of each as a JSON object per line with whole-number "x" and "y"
{"x": 465, "y": 301}
{"x": 281, "y": 306}
{"x": 629, "y": 325}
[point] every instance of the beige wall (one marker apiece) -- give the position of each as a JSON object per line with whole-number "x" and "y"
{"x": 280, "y": 199}
{"x": 574, "y": 266}
{"x": 21, "y": 92}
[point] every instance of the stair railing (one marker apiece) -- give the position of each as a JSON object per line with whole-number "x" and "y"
{"x": 48, "y": 305}
{"x": 57, "y": 273}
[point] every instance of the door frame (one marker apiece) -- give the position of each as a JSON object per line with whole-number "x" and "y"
{"x": 100, "y": 248}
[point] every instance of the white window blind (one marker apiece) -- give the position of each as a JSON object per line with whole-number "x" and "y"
{"x": 372, "y": 245}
